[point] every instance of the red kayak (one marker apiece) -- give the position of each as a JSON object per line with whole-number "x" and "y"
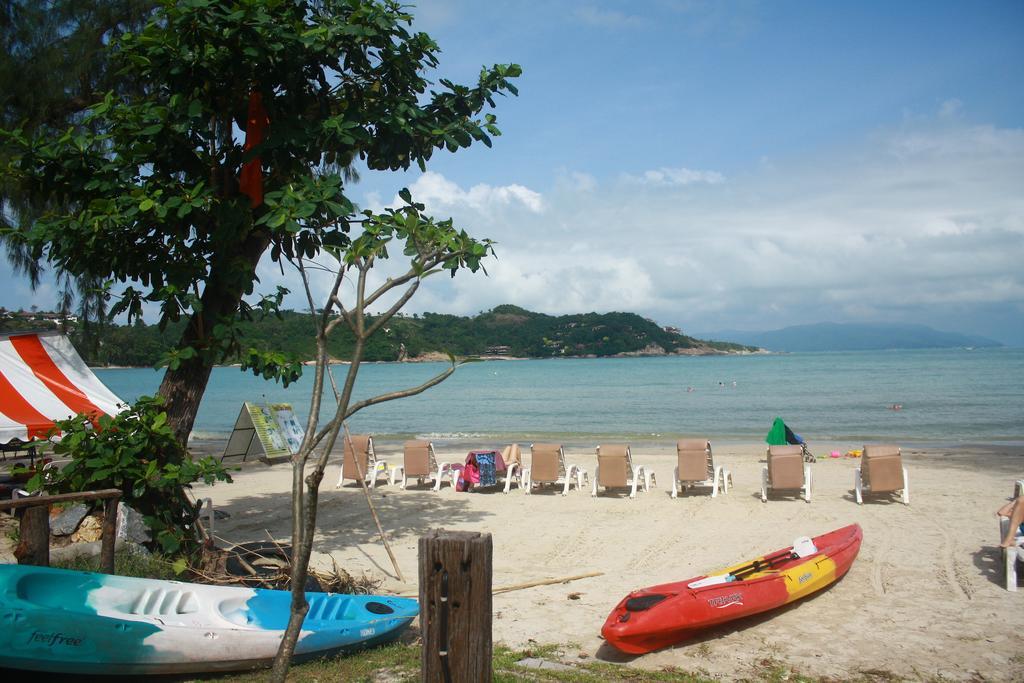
{"x": 652, "y": 618}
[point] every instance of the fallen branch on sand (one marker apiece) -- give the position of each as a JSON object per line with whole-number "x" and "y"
{"x": 528, "y": 584}
{"x": 543, "y": 582}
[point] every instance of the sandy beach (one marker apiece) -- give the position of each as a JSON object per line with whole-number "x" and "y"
{"x": 923, "y": 600}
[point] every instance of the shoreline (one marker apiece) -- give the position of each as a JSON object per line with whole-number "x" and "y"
{"x": 213, "y": 444}
{"x": 923, "y": 600}
{"x": 440, "y": 357}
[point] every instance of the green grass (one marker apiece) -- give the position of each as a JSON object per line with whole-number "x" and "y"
{"x": 401, "y": 660}
{"x": 126, "y": 563}
{"x": 400, "y": 663}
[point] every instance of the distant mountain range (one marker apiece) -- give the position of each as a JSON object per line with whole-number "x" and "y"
{"x": 852, "y": 337}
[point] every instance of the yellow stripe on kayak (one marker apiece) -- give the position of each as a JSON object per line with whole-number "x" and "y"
{"x": 802, "y": 579}
{"x": 808, "y": 577}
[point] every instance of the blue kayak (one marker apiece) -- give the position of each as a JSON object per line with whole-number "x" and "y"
{"x": 66, "y": 621}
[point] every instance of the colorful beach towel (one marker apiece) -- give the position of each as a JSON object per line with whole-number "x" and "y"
{"x": 485, "y": 465}
{"x": 481, "y": 469}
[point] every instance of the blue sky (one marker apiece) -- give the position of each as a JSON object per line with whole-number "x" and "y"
{"x": 743, "y": 165}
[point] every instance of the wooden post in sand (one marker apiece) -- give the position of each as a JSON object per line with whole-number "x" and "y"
{"x": 34, "y": 537}
{"x": 109, "y": 535}
{"x": 455, "y": 606}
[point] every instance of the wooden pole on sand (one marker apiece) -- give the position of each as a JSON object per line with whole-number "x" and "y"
{"x": 369, "y": 501}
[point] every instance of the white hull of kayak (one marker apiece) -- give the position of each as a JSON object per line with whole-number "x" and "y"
{"x": 80, "y": 622}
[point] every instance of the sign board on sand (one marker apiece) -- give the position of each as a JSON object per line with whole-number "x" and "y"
{"x": 267, "y": 431}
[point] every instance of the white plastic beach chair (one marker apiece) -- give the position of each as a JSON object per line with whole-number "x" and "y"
{"x": 362, "y": 462}
{"x": 615, "y": 470}
{"x": 786, "y": 470}
{"x": 419, "y": 462}
{"x": 548, "y": 466}
{"x": 514, "y": 470}
{"x": 1012, "y": 555}
{"x": 695, "y": 466}
{"x": 881, "y": 471}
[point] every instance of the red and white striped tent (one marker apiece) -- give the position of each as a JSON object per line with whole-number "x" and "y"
{"x": 42, "y": 379}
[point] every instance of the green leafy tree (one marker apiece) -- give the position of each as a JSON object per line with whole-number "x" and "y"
{"x": 54, "y": 60}
{"x": 150, "y": 177}
{"x": 135, "y": 451}
{"x": 53, "y": 65}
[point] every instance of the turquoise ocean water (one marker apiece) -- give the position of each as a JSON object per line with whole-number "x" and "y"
{"x": 949, "y": 396}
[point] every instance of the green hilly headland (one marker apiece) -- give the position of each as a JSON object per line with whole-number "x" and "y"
{"x": 503, "y": 331}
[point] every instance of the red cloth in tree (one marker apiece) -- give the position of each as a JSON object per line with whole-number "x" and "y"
{"x": 250, "y": 181}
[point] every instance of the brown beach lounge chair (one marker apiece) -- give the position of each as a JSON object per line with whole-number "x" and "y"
{"x": 419, "y": 462}
{"x": 786, "y": 471}
{"x": 513, "y": 458}
{"x": 695, "y": 466}
{"x": 361, "y": 461}
{"x": 881, "y": 471}
{"x": 615, "y": 470}
{"x": 547, "y": 466}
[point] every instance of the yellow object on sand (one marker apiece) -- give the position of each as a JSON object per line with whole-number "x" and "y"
{"x": 853, "y": 453}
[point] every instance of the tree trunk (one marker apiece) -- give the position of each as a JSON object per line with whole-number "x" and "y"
{"x": 182, "y": 388}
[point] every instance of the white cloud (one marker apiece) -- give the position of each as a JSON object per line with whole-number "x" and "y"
{"x": 922, "y": 223}
{"x": 968, "y": 143}
{"x": 604, "y": 18}
{"x": 580, "y": 279}
{"x": 584, "y": 182}
{"x": 675, "y": 176}
{"x": 434, "y": 190}
{"x": 950, "y": 109}
{"x": 474, "y": 209}
{"x": 703, "y": 18}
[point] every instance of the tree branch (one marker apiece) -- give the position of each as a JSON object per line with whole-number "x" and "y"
{"x": 384, "y": 317}
{"x": 306, "y": 448}
{"x": 437, "y": 379}
{"x": 317, "y": 322}
{"x": 391, "y": 283}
